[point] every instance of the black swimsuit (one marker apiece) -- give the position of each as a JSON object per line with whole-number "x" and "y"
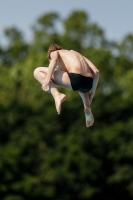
{"x": 81, "y": 83}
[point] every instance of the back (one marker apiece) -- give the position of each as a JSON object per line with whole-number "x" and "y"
{"x": 74, "y": 62}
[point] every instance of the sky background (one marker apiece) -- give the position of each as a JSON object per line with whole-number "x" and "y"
{"x": 115, "y": 17}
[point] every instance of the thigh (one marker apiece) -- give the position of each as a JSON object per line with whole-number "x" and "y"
{"x": 61, "y": 79}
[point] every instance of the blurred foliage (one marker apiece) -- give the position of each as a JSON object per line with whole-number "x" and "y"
{"x": 51, "y": 157}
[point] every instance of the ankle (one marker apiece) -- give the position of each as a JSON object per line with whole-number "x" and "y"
{"x": 87, "y": 108}
{"x": 55, "y": 93}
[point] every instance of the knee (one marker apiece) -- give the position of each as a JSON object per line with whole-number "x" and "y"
{"x": 36, "y": 72}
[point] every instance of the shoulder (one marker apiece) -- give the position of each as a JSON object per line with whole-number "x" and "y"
{"x": 54, "y": 55}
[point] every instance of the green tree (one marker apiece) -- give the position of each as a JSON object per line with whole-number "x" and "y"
{"x": 17, "y": 48}
{"x": 51, "y": 157}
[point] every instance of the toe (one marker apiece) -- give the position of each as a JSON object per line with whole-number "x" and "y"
{"x": 89, "y": 123}
{"x": 58, "y": 109}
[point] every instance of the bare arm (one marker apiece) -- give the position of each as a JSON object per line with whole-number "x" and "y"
{"x": 52, "y": 66}
{"x": 95, "y": 73}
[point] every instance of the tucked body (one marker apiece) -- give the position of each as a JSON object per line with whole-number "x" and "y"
{"x": 71, "y": 70}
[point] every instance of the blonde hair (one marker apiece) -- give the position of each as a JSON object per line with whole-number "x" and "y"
{"x": 53, "y": 47}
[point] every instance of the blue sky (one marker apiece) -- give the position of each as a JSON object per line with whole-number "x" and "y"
{"x": 114, "y": 16}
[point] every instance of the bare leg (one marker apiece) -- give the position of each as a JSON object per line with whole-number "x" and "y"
{"x": 59, "y": 78}
{"x": 87, "y": 109}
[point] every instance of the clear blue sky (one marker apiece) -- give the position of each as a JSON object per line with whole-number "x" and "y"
{"x": 114, "y": 16}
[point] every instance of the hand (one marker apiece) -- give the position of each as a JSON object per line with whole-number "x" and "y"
{"x": 91, "y": 95}
{"x": 46, "y": 86}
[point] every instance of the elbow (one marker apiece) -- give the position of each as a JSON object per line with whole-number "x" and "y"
{"x": 54, "y": 60}
{"x": 97, "y": 72}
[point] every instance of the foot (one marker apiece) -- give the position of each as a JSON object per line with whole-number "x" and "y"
{"x": 59, "y": 98}
{"x": 88, "y": 116}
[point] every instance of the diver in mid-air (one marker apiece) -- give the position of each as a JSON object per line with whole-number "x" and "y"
{"x": 69, "y": 69}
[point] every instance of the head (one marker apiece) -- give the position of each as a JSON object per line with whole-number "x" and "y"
{"x": 53, "y": 47}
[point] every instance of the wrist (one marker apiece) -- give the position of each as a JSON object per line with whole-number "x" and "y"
{"x": 47, "y": 82}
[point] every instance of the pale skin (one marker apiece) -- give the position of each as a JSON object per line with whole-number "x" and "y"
{"x": 63, "y": 62}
